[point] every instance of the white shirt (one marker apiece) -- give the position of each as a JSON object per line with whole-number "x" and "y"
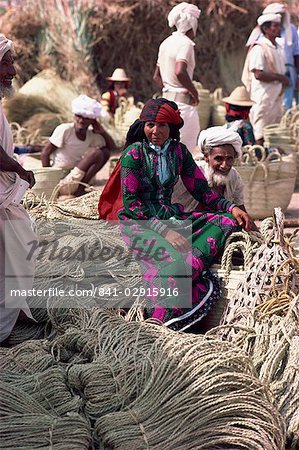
{"x": 71, "y": 149}
{"x": 177, "y": 47}
{"x": 7, "y": 179}
{"x": 259, "y": 61}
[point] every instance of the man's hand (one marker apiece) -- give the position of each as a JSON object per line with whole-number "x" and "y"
{"x": 28, "y": 176}
{"x": 242, "y": 218}
{"x": 97, "y": 127}
{"x": 178, "y": 242}
{"x": 195, "y": 98}
{"x": 284, "y": 80}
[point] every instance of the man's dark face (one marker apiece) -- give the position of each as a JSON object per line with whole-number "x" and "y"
{"x": 7, "y": 73}
{"x": 273, "y": 31}
{"x": 82, "y": 123}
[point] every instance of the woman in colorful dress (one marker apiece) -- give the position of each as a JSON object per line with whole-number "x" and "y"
{"x": 175, "y": 248}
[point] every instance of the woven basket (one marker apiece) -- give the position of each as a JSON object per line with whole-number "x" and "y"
{"x": 277, "y": 135}
{"x": 268, "y": 184}
{"x": 204, "y": 105}
{"x": 231, "y": 276}
{"x": 262, "y": 196}
{"x": 46, "y": 179}
{"x": 272, "y": 167}
{"x": 125, "y": 115}
{"x": 214, "y": 317}
{"x": 218, "y": 109}
{"x": 30, "y": 161}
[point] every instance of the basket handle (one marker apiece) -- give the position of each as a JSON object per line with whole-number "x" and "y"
{"x": 55, "y": 191}
{"x": 217, "y": 96}
{"x": 252, "y": 176}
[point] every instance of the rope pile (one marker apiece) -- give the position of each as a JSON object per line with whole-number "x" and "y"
{"x": 272, "y": 345}
{"x": 112, "y": 363}
{"x": 26, "y": 424}
{"x": 136, "y": 385}
{"x": 84, "y": 207}
{"x": 23, "y": 136}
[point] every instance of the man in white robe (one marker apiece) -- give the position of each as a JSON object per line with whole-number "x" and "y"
{"x": 175, "y": 67}
{"x": 174, "y": 74}
{"x": 263, "y": 76}
{"x": 16, "y": 233}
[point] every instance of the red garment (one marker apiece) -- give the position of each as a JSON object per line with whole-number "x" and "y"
{"x": 112, "y": 102}
{"x": 237, "y": 113}
{"x": 111, "y": 200}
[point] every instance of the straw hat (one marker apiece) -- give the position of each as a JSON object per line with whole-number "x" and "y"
{"x": 239, "y": 96}
{"x": 118, "y": 75}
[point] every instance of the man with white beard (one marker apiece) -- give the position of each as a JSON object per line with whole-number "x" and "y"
{"x": 220, "y": 147}
{"x": 16, "y": 233}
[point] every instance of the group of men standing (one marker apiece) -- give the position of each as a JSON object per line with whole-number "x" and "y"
{"x": 271, "y": 70}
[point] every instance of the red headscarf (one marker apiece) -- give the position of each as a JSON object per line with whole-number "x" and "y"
{"x": 161, "y": 110}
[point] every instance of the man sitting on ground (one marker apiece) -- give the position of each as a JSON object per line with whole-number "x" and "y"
{"x": 220, "y": 147}
{"x": 77, "y": 148}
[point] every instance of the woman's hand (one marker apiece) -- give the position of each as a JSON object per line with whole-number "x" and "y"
{"x": 178, "y": 242}
{"x": 242, "y": 218}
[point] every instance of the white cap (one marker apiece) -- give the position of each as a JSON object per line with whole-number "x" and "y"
{"x": 269, "y": 17}
{"x": 217, "y": 136}
{"x": 87, "y": 107}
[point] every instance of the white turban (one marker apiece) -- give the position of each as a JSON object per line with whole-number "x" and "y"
{"x": 276, "y": 8}
{"x": 280, "y": 8}
{"x": 269, "y": 17}
{"x": 184, "y": 17}
{"x": 88, "y": 107}
{"x": 216, "y": 136}
{"x": 5, "y": 45}
{"x": 273, "y": 8}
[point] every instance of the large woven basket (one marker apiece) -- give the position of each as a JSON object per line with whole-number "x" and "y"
{"x": 46, "y": 180}
{"x": 231, "y": 276}
{"x": 261, "y": 197}
{"x": 271, "y": 167}
{"x": 269, "y": 183}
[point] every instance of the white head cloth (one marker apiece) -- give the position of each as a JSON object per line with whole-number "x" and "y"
{"x": 5, "y": 45}
{"x": 269, "y": 17}
{"x": 280, "y": 8}
{"x": 184, "y": 17}
{"x": 274, "y": 8}
{"x": 215, "y": 136}
{"x": 88, "y": 107}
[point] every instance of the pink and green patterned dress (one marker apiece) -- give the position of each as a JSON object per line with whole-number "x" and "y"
{"x": 180, "y": 288}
